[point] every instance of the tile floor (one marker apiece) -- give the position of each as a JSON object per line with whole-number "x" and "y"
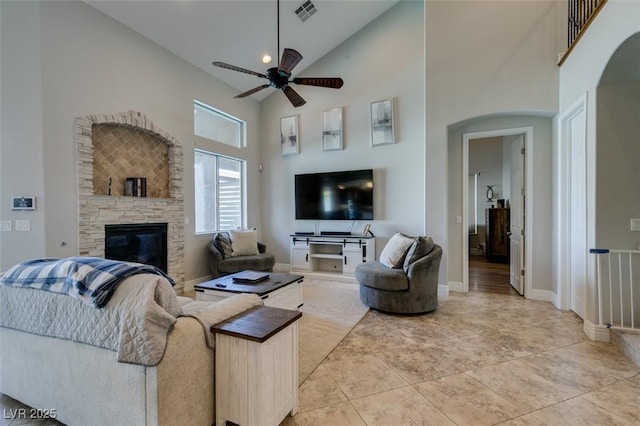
{"x": 480, "y": 359}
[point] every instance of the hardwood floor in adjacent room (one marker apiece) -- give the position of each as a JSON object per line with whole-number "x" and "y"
{"x": 489, "y": 277}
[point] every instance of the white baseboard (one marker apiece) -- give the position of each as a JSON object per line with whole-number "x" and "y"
{"x": 327, "y": 276}
{"x": 443, "y": 290}
{"x": 282, "y": 268}
{"x": 190, "y": 285}
{"x": 596, "y": 333}
{"x": 456, "y": 286}
{"x": 541, "y": 295}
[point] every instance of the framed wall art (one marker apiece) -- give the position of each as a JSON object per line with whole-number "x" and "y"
{"x": 289, "y": 141}
{"x": 382, "y": 122}
{"x": 332, "y": 129}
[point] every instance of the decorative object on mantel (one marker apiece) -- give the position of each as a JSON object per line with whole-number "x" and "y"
{"x": 332, "y": 129}
{"x": 289, "y": 144}
{"x": 382, "y": 122}
{"x": 135, "y": 187}
{"x": 279, "y": 76}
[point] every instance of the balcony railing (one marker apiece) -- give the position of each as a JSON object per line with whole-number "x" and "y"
{"x": 581, "y": 14}
{"x": 618, "y": 288}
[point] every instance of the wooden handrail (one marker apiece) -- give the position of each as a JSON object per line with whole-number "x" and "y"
{"x": 581, "y": 15}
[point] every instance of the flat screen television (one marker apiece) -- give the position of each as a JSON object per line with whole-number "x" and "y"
{"x": 346, "y": 195}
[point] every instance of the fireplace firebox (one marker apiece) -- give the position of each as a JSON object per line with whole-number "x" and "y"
{"x": 139, "y": 242}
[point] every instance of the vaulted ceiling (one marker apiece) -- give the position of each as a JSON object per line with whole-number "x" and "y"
{"x": 241, "y": 32}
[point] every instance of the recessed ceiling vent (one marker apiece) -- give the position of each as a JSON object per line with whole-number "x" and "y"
{"x": 306, "y": 10}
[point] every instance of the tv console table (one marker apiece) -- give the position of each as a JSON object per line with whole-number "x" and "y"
{"x": 336, "y": 254}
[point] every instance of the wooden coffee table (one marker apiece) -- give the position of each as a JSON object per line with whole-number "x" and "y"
{"x": 279, "y": 290}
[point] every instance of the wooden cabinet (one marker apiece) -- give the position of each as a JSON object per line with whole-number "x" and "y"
{"x": 257, "y": 367}
{"x": 497, "y": 235}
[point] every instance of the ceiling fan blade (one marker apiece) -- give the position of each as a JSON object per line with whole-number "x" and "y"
{"x": 235, "y": 68}
{"x": 290, "y": 58}
{"x": 331, "y": 82}
{"x": 252, "y": 91}
{"x": 295, "y": 99}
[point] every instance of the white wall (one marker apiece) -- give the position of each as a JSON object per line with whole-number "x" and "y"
{"x": 579, "y": 75}
{"x": 485, "y": 158}
{"x": 618, "y": 173}
{"x": 384, "y": 60}
{"x": 484, "y": 58}
{"x": 62, "y": 60}
{"x": 21, "y": 132}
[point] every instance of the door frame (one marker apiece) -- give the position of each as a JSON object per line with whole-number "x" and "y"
{"x": 563, "y": 192}
{"x": 527, "y": 132}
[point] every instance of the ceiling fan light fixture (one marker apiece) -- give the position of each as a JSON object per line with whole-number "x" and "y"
{"x": 279, "y": 75}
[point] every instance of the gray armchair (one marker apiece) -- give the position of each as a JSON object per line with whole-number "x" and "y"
{"x": 222, "y": 263}
{"x": 411, "y": 289}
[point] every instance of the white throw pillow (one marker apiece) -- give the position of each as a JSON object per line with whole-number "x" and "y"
{"x": 393, "y": 253}
{"x": 244, "y": 243}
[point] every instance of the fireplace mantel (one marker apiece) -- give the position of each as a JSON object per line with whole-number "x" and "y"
{"x": 97, "y": 210}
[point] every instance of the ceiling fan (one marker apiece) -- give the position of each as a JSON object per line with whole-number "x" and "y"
{"x": 279, "y": 77}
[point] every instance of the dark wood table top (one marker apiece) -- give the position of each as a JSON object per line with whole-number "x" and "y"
{"x": 258, "y": 323}
{"x": 226, "y": 283}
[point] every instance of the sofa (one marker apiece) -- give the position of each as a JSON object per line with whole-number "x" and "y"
{"x": 409, "y": 287}
{"x": 223, "y": 260}
{"x": 85, "y": 385}
{"x": 104, "y": 382}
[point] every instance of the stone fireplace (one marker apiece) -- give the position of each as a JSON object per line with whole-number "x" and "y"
{"x": 111, "y": 148}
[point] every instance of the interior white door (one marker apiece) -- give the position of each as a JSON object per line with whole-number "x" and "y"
{"x": 516, "y": 220}
{"x": 577, "y": 213}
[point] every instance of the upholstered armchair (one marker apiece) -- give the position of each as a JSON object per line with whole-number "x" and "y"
{"x": 247, "y": 253}
{"x": 411, "y": 287}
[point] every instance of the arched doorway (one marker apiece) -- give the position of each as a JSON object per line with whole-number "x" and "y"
{"x": 539, "y": 176}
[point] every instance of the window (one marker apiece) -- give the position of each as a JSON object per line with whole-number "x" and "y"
{"x": 216, "y": 125}
{"x": 219, "y": 183}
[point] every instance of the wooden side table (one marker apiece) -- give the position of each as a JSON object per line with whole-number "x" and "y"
{"x": 257, "y": 367}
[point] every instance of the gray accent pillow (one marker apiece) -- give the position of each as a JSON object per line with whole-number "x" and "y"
{"x": 421, "y": 247}
{"x": 223, "y": 243}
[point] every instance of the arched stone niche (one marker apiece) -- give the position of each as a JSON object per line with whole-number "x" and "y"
{"x": 129, "y": 145}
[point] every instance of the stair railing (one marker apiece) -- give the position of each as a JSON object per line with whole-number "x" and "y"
{"x": 581, "y": 14}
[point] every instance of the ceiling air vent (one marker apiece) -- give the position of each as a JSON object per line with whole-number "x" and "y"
{"x": 306, "y": 10}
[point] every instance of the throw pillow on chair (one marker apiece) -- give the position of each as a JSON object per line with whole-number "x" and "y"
{"x": 244, "y": 243}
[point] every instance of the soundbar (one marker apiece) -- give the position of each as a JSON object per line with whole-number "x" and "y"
{"x": 303, "y": 233}
{"x": 335, "y": 233}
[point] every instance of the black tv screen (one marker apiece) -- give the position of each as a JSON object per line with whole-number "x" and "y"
{"x": 344, "y": 195}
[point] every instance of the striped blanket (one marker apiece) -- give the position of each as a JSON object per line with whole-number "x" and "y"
{"x": 90, "y": 279}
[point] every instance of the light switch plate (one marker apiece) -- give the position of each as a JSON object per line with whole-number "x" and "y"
{"x": 5, "y": 225}
{"x": 23, "y": 225}
{"x": 635, "y": 224}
